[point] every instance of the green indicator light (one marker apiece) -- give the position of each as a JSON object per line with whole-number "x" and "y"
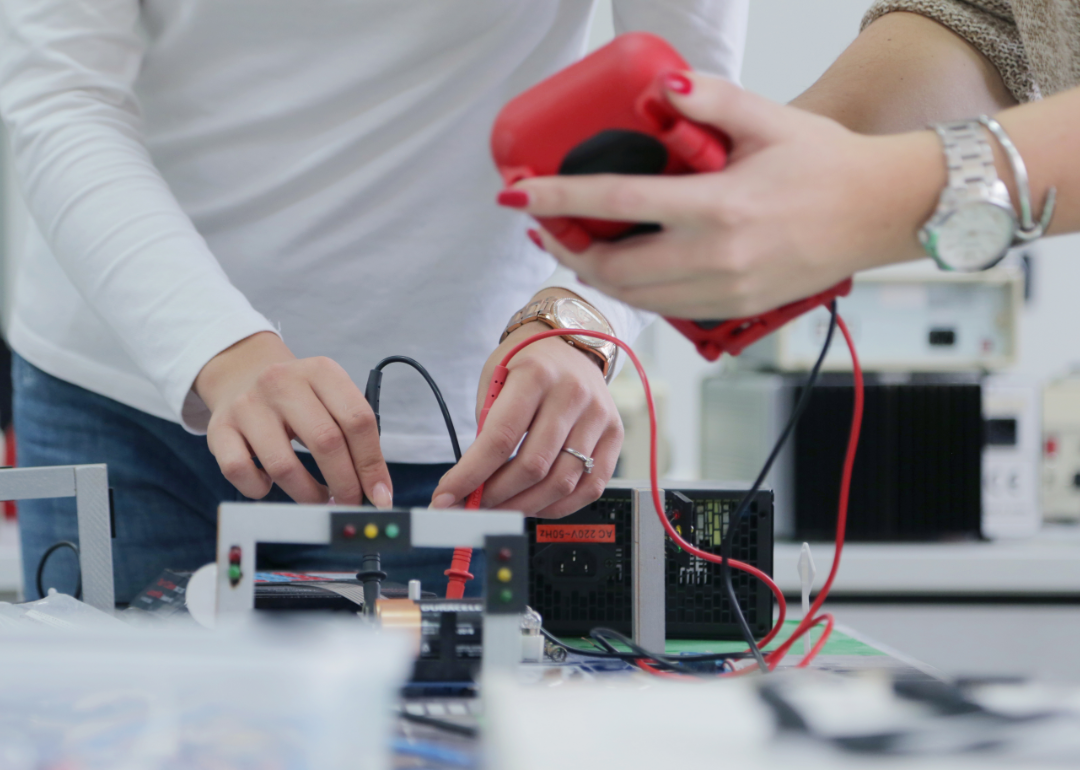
{"x": 392, "y": 531}
{"x": 506, "y": 596}
{"x": 234, "y": 572}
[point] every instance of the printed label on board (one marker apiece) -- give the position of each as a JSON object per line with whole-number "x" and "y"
{"x": 575, "y": 533}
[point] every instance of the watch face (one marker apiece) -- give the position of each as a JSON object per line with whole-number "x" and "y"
{"x": 974, "y": 236}
{"x": 577, "y": 315}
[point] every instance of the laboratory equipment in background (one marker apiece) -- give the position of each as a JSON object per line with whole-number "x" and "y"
{"x": 742, "y": 414}
{"x": 1061, "y": 449}
{"x": 629, "y": 398}
{"x": 924, "y": 471}
{"x": 1011, "y": 458}
{"x": 909, "y": 318}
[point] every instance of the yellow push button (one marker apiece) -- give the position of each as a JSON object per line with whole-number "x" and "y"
{"x": 504, "y": 574}
{"x": 371, "y": 531}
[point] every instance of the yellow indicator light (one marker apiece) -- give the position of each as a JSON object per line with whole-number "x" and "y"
{"x": 504, "y": 574}
{"x": 371, "y": 531}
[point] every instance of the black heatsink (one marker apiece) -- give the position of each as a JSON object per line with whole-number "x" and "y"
{"x": 917, "y": 470}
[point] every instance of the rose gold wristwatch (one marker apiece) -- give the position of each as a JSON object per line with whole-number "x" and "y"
{"x": 568, "y": 313}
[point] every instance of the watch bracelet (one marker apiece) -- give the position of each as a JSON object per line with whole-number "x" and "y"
{"x": 527, "y": 315}
{"x": 971, "y": 175}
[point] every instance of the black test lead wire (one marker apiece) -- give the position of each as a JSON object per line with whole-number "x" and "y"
{"x": 374, "y": 388}
{"x": 740, "y": 511}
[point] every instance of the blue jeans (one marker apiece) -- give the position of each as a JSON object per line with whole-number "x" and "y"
{"x": 166, "y": 490}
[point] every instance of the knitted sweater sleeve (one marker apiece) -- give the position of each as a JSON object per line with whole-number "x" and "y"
{"x": 988, "y": 25}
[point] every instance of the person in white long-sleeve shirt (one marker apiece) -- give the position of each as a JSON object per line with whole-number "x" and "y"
{"x": 242, "y": 205}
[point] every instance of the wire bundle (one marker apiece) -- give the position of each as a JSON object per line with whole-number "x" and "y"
{"x": 669, "y": 665}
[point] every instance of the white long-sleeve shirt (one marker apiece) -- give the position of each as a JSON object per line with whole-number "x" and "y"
{"x": 202, "y": 170}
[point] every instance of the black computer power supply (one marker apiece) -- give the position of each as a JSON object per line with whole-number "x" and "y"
{"x": 581, "y": 565}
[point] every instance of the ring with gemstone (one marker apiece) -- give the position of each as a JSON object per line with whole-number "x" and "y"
{"x": 584, "y": 458}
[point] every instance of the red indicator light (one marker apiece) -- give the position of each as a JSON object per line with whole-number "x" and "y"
{"x": 234, "y": 555}
{"x": 348, "y": 531}
{"x": 505, "y": 554}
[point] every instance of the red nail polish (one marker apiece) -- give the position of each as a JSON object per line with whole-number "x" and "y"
{"x": 534, "y": 236}
{"x": 678, "y": 82}
{"x": 515, "y": 199}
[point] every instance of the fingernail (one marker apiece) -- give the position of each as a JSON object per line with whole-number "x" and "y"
{"x": 380, "y": 495}
{"x": 678, "y": 82}
{"x": 445, "y": 500}
{"x": 534, "y": 236}
{"x": 515, "y": 199}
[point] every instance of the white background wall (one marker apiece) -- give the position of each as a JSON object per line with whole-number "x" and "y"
{"x": 790, "y": 43}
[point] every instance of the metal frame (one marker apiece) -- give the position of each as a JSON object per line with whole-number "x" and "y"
{"x": 89, "y": 485}
{"x": 647, "y": 591}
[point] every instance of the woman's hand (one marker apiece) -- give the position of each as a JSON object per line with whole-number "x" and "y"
{"x": 802, "y": 204}
{"x": 261, "y": 397}
{"x": 555, "y": 396}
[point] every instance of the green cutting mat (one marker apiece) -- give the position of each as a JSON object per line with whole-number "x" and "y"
{"x": 838, "y": 644}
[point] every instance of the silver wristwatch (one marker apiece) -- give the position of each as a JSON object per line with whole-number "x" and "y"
{"x": 975, "y": 223}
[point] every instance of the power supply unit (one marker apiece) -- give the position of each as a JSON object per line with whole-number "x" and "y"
{"x": 582, "y": 568}
{"x": 940, "y": 456}
{"x": 1061, "y": 449}
{"x": 1010, "y": 462}
{"x": 910, "y": 318}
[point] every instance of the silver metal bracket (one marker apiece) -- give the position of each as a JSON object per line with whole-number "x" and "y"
{"x": 89, "y": 485}
{"x": 649, "y": 611}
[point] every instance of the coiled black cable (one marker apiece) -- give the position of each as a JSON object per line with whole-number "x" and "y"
{"x": 374, "y": 388}
{"x": 45, "y": 558}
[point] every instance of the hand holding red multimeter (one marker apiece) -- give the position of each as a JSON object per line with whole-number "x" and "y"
{"x": 609, "y": 114}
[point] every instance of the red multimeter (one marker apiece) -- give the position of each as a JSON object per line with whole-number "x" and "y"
{"x": 608, "y": 114}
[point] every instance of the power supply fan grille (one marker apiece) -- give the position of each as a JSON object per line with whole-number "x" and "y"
{"x": 579, "y": 586}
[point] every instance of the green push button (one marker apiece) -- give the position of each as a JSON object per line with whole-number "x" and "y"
{"x": 506, "y": 596}
{"x": 392, "y": 531}
{"x": 234, "y": 573}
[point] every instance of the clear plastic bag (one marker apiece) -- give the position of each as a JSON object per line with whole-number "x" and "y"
{"x": 267, "y": 695}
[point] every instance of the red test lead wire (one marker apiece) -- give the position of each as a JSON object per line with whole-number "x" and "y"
{"x": 459, "y": 565}
{"x": 812, "y": 619}
{"x": 499, "y": 379}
